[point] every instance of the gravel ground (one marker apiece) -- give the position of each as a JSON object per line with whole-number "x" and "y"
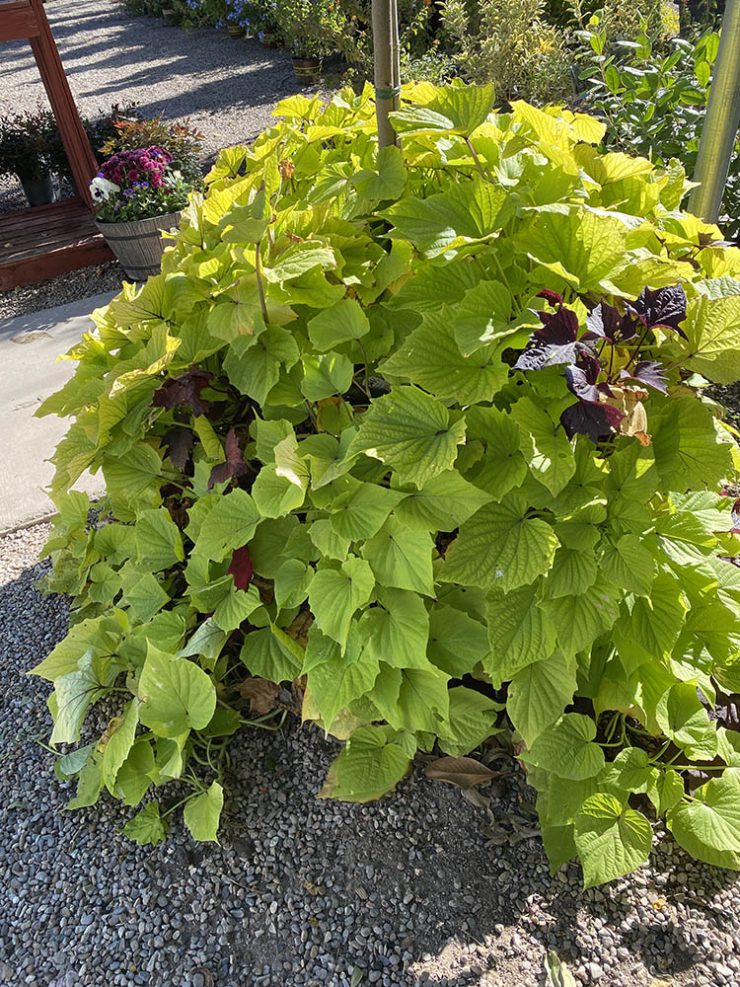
{"x": 58, "y": 291}
{"x": 411, "y": 890}
{"x": 227, "y": 88}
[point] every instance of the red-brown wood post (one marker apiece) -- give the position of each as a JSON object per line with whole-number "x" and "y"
{"x": 82, "y": 161}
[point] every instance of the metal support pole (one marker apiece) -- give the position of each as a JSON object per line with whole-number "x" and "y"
{"x": 721, "y": 122}
{"x": 387, "y": 67}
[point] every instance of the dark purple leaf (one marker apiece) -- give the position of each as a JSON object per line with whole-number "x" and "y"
{"x": 648, "y": 372}
{"x": 597, "y": 421}
{"x": 663, "y": 307}
{"x": 184, "y": 392}
{"x": 241, "y": 568}
{"x": 234, "y": 465}
{"x": 550, "y": 296}
{"x": 179, "y": 444}
{"x": 556, "y": 342}
{"x": 607, "y": 322}
{"x": 582, "y": 381}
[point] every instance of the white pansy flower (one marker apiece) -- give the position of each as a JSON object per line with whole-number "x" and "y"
{"x": 102, "y": 189}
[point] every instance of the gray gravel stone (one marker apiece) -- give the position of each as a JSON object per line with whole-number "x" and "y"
{"x": 277, "y": 904}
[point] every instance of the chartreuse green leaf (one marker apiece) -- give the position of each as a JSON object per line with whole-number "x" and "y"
{"x": 545, "y": 445}
{"x": 412, "y": 433}
{"x": 175, "y": 695}
{"x": 500, "y": 547}
{"x": 401, "y": 558}
{"x": 519, "y": 632}
{"x": 132, "y": 481}
{"x": 358, "y": 510}
{"x": 464, "y": 213}
{"x": 579, "y": 620}
{"x": 388, "y": 180}
{"x": 339, "y": 324}
{"x": 272, "y": 656}
{"x": 158, "y": 540}
{"x": 471, "y": 720}
{"x": 372, "y": 763}
{"x": 712, "y": 347}
{"x": 457, "y": 642}
{"x": 74, "y": 693}
{"x": 230, "y": 523}
{"x": 685, "y": 720}
{"x": 708, "y": 827}
{"x": 397, "y": 631}
{"x": 627, "y": 563}
{"x": 482, "y": 317}
{"x": 689, "y": 454}
{"x": 503, "y": 467}
{"x": 431, "y": 358}
{"x": 566, "y": 748}
{"x": 136, "y": 773}
{"x": 413, "y": 698}
{"x": 539, "y": 693}
{"x": 325, "y": 375}
{"x": 584, "y": 247}
{"x": 442, "y": 504}
{"x": 147, "y": 827}
{"x": 120, "y": 735}
{"x": 335, "y": 594}
{"x": 611, "y": 839}
{"x": 202, "y": 814}
{"x": 457, "y": 109}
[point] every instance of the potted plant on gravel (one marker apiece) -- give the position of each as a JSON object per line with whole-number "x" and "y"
{"x": 138, "y": 194}
{"x": 30, "y": 147}
{"x": 310, "y": 29}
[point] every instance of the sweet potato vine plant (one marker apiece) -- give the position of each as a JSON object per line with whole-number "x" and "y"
{"x": 419, "y": 431}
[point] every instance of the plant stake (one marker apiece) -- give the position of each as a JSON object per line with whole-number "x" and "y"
{"x": 387, "y": 67}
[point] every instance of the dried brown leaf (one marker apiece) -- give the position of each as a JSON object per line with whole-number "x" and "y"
{"x": 261, "y": 693}
{"x": 465, "y": 772}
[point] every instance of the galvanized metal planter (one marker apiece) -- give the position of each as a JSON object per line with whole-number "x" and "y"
{"x": 138, "y": 245}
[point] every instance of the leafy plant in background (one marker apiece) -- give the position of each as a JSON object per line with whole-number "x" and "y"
{"x": 310, "y": 28}
{"x": 415, "y": 441}
{"x": 181, "y": 141}
{"x": 30, "y": 145}
{"x": 654, "y": 101}
{"x": 509, "y": 43}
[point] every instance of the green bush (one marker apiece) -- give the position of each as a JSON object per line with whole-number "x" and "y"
{"x": 654, "y": 100}
{"x": 422, "y": 432}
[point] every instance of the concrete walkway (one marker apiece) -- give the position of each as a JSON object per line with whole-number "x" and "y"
{"x": 30, "y": 370}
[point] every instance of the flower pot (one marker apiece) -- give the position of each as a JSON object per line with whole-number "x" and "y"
{"x": 138, "y": 245}
{"x": 235, "y": 30}
{"x": 307, "y": 70}
{"x": 39, "y": 191}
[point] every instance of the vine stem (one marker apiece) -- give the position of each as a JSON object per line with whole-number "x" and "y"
{"x": 260, "y": 282}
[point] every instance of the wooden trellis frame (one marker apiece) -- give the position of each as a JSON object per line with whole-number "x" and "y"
{"x": 42, "y": 243}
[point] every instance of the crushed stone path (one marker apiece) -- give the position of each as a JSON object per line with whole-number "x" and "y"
{"x": 226, "y": 87}
{"x": 305, "y": 893}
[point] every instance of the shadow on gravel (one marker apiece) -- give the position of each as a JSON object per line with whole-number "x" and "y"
{"x": 111, "y": 56}
{"x": 304, "y": 891}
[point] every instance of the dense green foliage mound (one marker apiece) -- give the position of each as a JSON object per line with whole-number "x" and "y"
{"x": 423, "y": 432}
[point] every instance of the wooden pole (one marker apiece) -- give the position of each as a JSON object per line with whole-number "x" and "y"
{"x": 721, "y": 121}
{"x": 387, "y": 67}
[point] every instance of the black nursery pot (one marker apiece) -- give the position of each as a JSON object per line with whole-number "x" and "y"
{"x": 39, "y": 191}
{"x": 307, "y": 70}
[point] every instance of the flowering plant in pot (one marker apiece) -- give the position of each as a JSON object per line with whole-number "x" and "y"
{"x": 138, "y": 194}
{"x": 310, "y": 29}
{"x": 31, "y": 149}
